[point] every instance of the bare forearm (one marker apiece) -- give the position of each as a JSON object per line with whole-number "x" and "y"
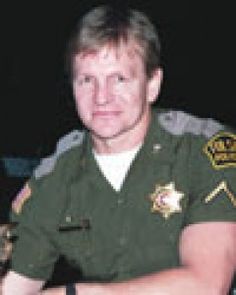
{"x": 182, "y": 281}
{"x": 15, "y": 283}
{"x": 176, "y": 282}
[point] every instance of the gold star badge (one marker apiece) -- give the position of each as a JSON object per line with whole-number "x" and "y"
{"x": 166, "y": 200}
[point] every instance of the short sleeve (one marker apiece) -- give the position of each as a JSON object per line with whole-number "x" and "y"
{"x": 34, "y": 253}
{"x": 212, "y": 178}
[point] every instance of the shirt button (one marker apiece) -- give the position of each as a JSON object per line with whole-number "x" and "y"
{"x": 122, "y": 241}
{"x": 120, "y": 201}
{"x": 121, "y": 269}
{"x": 30, "y": 265}
{"x": 88, "y": 253}
{"x": 68, "y": 219}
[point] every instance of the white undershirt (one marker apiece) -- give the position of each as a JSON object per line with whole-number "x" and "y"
{"x": 115, "y": 166}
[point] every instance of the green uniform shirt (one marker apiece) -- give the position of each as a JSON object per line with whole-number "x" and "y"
{"x": 182, "y": 175}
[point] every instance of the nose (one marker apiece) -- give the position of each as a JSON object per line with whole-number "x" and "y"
{"x": 102, "y": 96}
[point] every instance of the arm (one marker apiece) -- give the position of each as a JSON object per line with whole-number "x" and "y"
{"x": 208, "y": 257}
{"x": 15, "y": 283}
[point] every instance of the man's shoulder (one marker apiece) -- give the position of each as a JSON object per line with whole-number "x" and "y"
{"x": 180, "y": 123}
{"x": 66, "y": 147}
{"x": 209, "y": 141}
{"x": 49, "y": 175}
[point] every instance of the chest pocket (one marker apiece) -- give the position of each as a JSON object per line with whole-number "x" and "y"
{"x": 76, "y": 242}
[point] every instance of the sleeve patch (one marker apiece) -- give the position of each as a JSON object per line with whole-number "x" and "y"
{"x": 221, "y": 187}
{"x": 21, "y": 198}
{"x": 221, "y": 150}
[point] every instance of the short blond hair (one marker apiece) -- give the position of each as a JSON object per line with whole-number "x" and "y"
{"x": 108, "y": 25}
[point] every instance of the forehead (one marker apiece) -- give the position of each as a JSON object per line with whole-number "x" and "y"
{"x": 124, "y": 55}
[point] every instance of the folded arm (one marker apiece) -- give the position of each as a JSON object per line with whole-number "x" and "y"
{"x": 208, "y": 258}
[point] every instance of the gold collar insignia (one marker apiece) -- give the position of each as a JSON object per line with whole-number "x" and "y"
{"x": 166, "y": 200}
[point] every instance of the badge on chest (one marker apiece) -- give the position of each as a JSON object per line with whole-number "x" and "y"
{"x": 166, "y": 200}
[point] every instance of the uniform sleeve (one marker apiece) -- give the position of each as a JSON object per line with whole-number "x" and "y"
{"x": 34, "y": 253}
{"x": 212, "y": 178}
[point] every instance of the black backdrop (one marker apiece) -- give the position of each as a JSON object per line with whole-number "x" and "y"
{"x": 36, "y": 100}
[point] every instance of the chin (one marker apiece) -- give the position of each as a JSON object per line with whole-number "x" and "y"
{"x": 105, "y": 129}
{"x": 105, "y": 134}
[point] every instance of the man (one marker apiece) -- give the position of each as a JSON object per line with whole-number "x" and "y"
{"x": 143, "y": 201}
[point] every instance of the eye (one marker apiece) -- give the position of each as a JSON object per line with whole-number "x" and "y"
{"x": 120, "y": 78}
{"x": 83, "y": 80}
{"x": 87, "y": 79}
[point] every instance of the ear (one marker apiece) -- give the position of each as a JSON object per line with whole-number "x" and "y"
{"x": 154, "y": 85}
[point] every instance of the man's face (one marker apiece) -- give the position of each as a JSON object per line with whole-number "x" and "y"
{"x": 112, "y": 92}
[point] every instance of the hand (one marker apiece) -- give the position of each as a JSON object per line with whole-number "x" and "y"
{"x": 1, "y": 286}
{"x": 5, "y": 250}
{"x": 6, "y": 243}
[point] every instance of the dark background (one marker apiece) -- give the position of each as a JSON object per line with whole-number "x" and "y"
{"x": 36, "y": 101}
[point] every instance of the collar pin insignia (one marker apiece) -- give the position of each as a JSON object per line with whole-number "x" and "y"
{"x": 156, "y": 147}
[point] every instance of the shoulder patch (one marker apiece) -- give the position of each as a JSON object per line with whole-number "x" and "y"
{"x": 179, "y": 123}
{"x": 221, "y": 150}
{"x": 64, "y": 144}
{"x": 23, "y": 195}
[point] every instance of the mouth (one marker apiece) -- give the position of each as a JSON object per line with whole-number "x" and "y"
{"x": 105, "y": 114}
